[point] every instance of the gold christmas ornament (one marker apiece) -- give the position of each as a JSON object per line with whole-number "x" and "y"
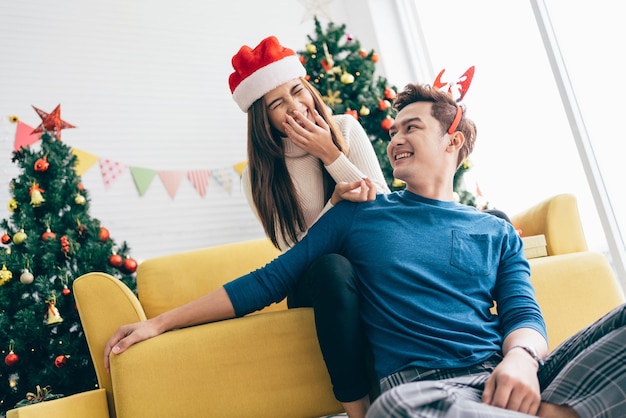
{"x": 311, "y": 48}
{"x": 332, "y": 98}
{"x": 5, "y": 275}
{"x": 347, "y": 78}
{"x": 36, "y": 197}
{"x": 79, "y": 199}
{"x": 12, "y": 205}
{"x": 20, "y": 237}
{"x": 364, "y": 111}
{"x": 53, "y": 316}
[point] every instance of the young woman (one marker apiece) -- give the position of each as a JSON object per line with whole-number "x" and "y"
{"x": 297, "y": 152}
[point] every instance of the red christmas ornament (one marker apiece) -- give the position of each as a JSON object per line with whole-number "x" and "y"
{"x": 65, "y": 244}
{"x": 129, "y": 265}
{"x": 11, "y": 359}
{"x": 103, "y": 235}
{"x": 363, "y": 53}
{"x": 353, "y": 113}
{"x": 66, "y": 290}
{"x": 325, "y": 65}
{"x": 51, "y": 122}
{"x": 116, "y": 260}
{"x": 41, "y": 164}
{"x": 383, "y": 105}
{"x": 390, "y": 93}
{"x": 60, "y": 361}
{"x": 48, "y": 235}
{"x": 386, "y": 123}
{"x": 6, "y": 239}
{"x": 374, "y": 57}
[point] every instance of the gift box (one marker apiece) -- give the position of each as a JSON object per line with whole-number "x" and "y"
{"x": 535, "y": 246}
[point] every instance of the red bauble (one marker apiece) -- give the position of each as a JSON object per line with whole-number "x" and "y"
{"x": 130, "y": 265}
{"x": 390, "y": 93}
{"x": 353, "y": 113}
{"x": 6, "y": 239}
{"x": 103, "y": 235}
{"x": 60, "y": 361}
{"x": 41, "y": 164}
{"x": 386, "y": 123}
{"x": 116, "y": 260}
{"x": 383, "y": 105}
{"x": 48, "y": 235}
{"x": 11, "y": 359}
{"x": 66, "y": 291}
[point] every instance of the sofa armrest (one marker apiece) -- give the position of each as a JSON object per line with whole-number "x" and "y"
{"x": 90, "y": 404}
{"x": 265, "y": 365}
{"x": 574, "y": 290}
{"x": 558, "y": 219}
{"x": 169, "y": 281}
{"x": 104, "y": 304}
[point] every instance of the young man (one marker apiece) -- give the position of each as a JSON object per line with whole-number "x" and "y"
{"x": 429, "y": 271}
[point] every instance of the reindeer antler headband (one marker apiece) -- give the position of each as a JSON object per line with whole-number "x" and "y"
{"x": 461, "y": 86}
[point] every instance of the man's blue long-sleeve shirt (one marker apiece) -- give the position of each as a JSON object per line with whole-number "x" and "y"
{"x": 428, "y": 274}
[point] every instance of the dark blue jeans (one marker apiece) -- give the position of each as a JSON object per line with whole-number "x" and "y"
{"x": 329, "y": 286}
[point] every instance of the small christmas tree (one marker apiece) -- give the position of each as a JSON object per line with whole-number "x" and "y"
{"x": 48, "y": 241}
{"x": 344, "y": 73}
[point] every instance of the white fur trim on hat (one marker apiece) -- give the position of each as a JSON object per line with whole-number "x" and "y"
{"x": 267, "y": 78}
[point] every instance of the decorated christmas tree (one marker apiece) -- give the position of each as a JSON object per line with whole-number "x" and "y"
{"x": 345, "y": 74}
{"x": 48, "y": 241}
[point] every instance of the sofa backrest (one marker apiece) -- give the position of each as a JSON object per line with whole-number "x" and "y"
{"x": 558, "y": 219}
{"x": 166, "y": 282}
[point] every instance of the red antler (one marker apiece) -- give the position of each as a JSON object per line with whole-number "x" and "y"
{"x": 463, "y": 82}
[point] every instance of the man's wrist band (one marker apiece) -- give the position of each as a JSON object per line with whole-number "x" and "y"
{"x": 530, "y": 350}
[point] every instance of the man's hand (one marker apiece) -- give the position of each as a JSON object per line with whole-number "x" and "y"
{"x": 514, "y": 384}
{"x": 357, "y": 191}
{"x": 127, "y": 335}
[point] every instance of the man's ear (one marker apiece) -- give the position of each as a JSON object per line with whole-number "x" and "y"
{"x": 457, "y": 139}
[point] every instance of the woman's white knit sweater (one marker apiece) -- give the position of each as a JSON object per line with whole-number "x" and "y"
{"x": 306, "y": 172}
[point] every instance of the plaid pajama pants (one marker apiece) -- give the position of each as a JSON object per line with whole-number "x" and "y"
{"x": 586, "y": 372}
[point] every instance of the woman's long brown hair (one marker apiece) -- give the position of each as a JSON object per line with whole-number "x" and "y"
{"x": 273, "y": 191}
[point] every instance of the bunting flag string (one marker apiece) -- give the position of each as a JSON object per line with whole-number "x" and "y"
{"x": 143, "y": 177}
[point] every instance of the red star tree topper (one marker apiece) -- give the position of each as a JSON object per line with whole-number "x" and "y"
{"x": 51, "y": 122}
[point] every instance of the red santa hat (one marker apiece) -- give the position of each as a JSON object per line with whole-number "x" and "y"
{"x": 262, "y": 69}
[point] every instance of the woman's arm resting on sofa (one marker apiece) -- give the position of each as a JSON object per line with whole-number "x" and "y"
{"x": 211, "y": 307}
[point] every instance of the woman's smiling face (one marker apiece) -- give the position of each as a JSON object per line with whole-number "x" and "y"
{"x": 285, "y": 99}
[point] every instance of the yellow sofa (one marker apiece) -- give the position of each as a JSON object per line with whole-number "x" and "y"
{"x": 269, "y": 364}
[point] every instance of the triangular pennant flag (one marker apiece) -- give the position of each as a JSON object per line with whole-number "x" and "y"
{"x": 223, "y": 176}
{"x": 171, "y": 180}
{"x": 84, "y": 161}
{"x": 200, "y": 180}
{"x": 24, "y": 136}
{"x": 110, "y": 171}
{"x": 142, "y": 178}
{"x": 240, "y": 166}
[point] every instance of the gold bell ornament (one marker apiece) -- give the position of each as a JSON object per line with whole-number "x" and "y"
{"x": 53, "y": 316}
{"x": 36, "y": 197}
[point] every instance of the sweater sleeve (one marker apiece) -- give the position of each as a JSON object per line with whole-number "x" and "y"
{"x": 361, "y": 160}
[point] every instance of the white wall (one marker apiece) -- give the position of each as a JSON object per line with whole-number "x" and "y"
{"x": 145, "y": 82}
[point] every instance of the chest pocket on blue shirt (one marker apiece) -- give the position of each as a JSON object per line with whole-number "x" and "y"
{"x": 471, "y": 253}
